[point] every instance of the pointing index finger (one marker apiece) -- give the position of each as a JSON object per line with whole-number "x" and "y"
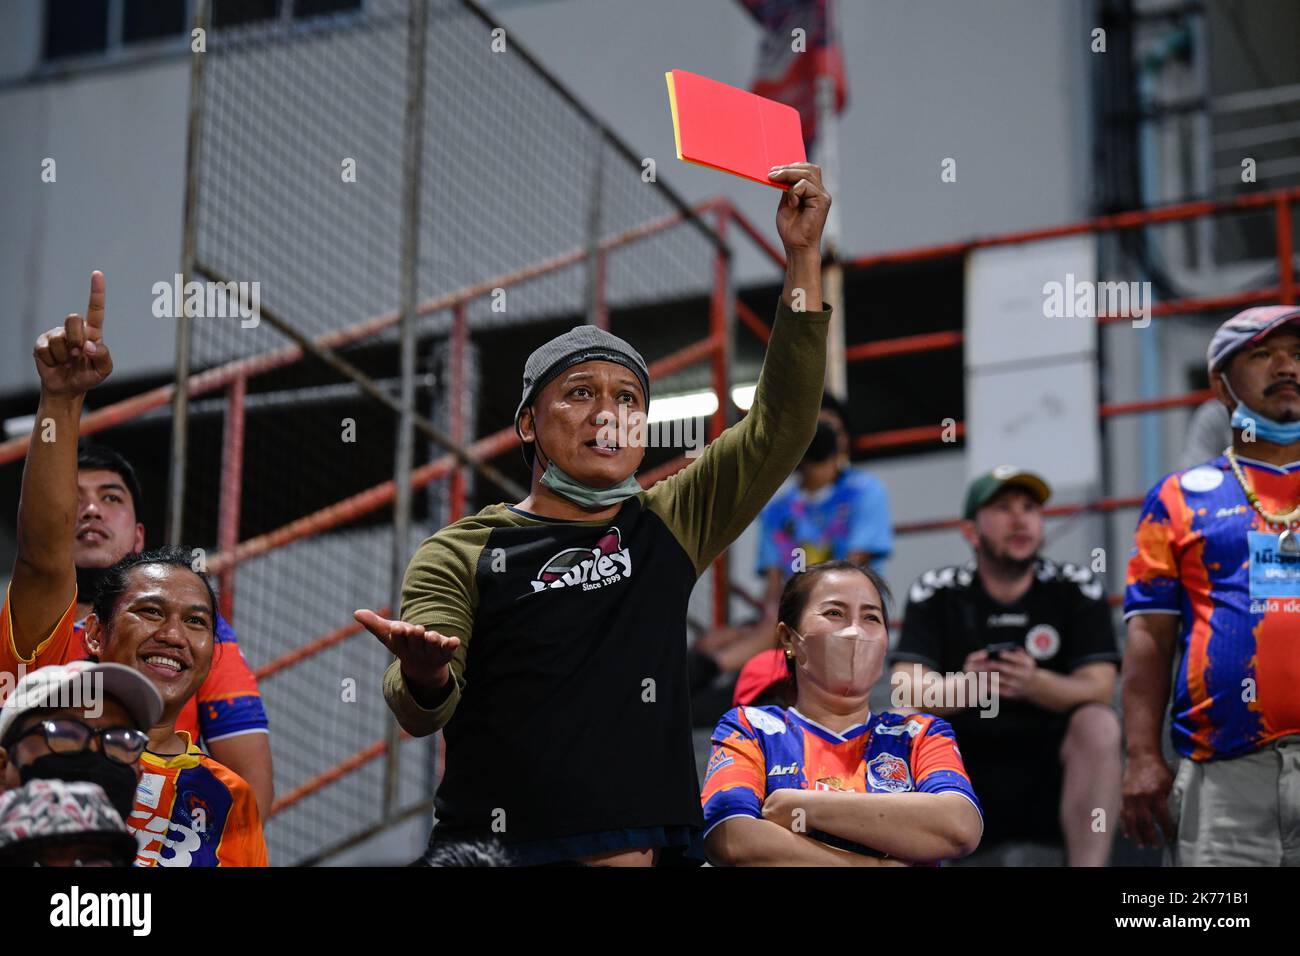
{"x": 95, "y": 309}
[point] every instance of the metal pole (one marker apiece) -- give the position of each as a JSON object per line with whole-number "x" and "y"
{"x": 459, "y": 333}
{"x": 720, "y": 327}
{"x": 416, "y": 27}
{"x": 1285, "y": 263}
{"x": 232, "y": 470}
{"x": 837, "y": 376}
{"x": 181, "y": 392}
{"x": 595, "y": 263}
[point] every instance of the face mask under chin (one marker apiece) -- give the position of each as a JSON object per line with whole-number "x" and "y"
{"x": 1261, "y": 426}
{"x": 584, "y": 495}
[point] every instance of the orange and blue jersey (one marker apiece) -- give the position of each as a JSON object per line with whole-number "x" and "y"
{"x": 1203, "y": 553}
{"x": 191, "y": 810}
{"x": 760, "y": 749}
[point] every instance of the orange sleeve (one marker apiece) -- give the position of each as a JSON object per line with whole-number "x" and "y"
{"x": 58, "y": 648}
{"x": 242, "y": 842}
{"x": 230, "y": 675}
{"x": 1153, "y": 582}
{"x": 735, "y": 783}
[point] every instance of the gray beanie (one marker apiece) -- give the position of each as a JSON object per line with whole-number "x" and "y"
{"x": 582, "y": 343}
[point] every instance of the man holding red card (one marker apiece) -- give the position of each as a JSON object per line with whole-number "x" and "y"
{"x": 548, "y": 637}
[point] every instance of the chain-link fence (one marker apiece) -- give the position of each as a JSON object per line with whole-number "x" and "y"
{"x": 532, "y": 218}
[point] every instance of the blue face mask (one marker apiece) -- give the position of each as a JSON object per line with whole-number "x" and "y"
{"x": 564, "y": 484}
{"x": 1279, "y": 433}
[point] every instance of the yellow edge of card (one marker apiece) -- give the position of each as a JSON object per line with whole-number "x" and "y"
{"x": 672, "y": 103}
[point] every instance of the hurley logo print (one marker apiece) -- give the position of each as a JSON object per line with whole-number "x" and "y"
{"x": 607, "y": 563}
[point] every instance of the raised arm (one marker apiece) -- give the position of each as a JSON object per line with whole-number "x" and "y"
{"x": 708, "y": 504}
{"x": 70, "y": 361}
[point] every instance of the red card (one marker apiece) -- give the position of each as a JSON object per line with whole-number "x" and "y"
{"x": 731, "y": 129}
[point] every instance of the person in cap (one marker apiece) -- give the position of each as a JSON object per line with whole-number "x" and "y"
{"x": 62, "y": 823}
{"x": 1214, "y": 584}
{"x": 548, "y": 637}
{"x": 82, "y": 721}
{"x": 152, "y": 612}
{"x": 1042, "y": 744}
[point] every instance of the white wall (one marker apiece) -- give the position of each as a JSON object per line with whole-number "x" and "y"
{"x": 999, "y": 87}
{"x": 118, "y": 141}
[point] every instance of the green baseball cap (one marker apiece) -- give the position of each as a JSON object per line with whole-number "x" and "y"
{"x": 979, "y": 491}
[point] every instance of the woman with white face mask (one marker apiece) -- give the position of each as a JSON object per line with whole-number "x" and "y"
{"x": 825, "y": 782}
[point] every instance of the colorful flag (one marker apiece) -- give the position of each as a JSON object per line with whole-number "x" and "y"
{"x": 789, "y": 63}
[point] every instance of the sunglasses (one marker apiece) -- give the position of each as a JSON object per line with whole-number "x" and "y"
{"x": 64, "y": 735}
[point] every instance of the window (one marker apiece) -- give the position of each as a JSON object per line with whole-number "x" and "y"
{"x": 152, "y": 19}
{"x": 229, "y": 13}
{"x": 83, "y": 28}
{"x": 75, "y": 26}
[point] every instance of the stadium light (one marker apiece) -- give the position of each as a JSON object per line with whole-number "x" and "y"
{"x": 700, "y": 404}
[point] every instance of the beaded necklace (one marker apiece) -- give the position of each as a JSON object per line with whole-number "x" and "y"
{"x": 1287, "y": 540}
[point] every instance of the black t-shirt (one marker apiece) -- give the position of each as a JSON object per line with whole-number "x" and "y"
{"x": 567, "y": 721}
{"x": 1063, "y": 622}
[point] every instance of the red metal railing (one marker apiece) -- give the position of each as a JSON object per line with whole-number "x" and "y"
{"x": 714, "y": 347}
{"x": 234, "y": 377}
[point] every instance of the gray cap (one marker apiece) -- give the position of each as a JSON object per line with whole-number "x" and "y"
{"x": 1246, "y": 327}
{"x": 582, "y": 343}
{"x": 81, "y": 682}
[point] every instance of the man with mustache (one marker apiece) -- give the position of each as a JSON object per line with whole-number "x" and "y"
{"x": 549, "y": 636}
{"x": 1214, "y": 581}
{"x": 151, "y": 612}
{"x": 1044, "y": 753}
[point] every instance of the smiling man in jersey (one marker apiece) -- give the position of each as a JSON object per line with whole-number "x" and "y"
{"x": 152, "y": 612}
{"x": 549, "y": 637}
{"x": 227, "y": 711}
{"x": 1215, "y": 577}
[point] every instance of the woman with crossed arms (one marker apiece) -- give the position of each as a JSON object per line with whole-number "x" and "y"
{"x": 825, "y": 782}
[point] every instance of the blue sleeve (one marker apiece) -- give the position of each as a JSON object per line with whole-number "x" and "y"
{"x": 229, "y": 702}
{"x": 769, "y": 549}
{"x": 871, "y": 530}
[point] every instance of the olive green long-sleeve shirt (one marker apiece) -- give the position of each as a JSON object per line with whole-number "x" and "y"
{"x": 571, "y": 669}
